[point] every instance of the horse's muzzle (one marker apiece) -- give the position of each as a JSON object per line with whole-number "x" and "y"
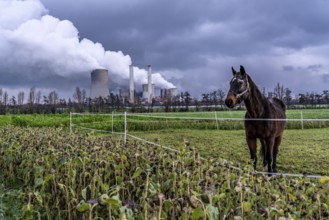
{"x": 229, "y": 103}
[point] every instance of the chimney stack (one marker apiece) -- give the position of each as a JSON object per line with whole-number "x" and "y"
{"x": 149, "y": 89}
{"x": 131, "y": 85}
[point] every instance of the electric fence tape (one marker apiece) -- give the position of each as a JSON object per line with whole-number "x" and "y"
{"x": 194, "y": 118}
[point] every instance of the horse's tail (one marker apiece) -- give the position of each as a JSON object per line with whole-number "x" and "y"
{"x": 281, "y": 103}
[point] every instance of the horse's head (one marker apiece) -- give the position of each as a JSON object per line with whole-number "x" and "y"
{"x": 239, "y": 88}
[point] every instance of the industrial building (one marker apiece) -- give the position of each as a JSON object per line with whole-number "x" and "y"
{"x": 168, "y": 93}
{"x": 99, "y": 83}
{"x": 146, "y": 95}
{"x": 100, "y": 87}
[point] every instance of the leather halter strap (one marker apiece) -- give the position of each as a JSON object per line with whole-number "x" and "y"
{"x": 244, "y": 92}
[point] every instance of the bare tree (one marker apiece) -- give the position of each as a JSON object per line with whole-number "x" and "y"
{"x": 53, "y": 98}
{"x": 5, "y": 98}
{"x": 1, "y": 93}
{"x": 79, "y": 95}
{"x": 221, "y": 96}
{"x": 205, "y": 99}
{"x": 326, "y": 96}
{"x": 38, "y": 98}
{"x": 84, "y": 97}
{"x": 45, "y": 100}
{"x": 287, "y": 96}
{"x": 187, "y": 99}
{"x": 32, "y": 96}
{"x": 12, "y": 101}
{"x": 213, "y": 97}
{"x": 279, "y": 91}
{"x": 20, "y": 98}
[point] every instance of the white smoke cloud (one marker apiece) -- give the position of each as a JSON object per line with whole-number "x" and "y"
{"x": 34, "y": 43}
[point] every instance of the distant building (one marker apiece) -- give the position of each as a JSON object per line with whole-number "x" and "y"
{"x": 99, "y": 83}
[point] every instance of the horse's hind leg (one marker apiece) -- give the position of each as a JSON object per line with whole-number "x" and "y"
{"x": 276, "y": 145}
{"x": 252, "y": 144}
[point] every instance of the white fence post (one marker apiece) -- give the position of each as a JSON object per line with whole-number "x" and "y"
{"x": 112, "y": 122}
{"x": 125, "y": 127}
{"x": 301, "y": 120}
{"x": 70, "y": 122}
{"x": 216, "y": 120}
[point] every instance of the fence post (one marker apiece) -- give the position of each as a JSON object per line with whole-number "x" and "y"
{"x": 216, "y": 119}
{"x": 125, "y": 127}
{"x": 112, "y": 122}
{"x": 70, "y": 122}
{"x": 301, "y": 120}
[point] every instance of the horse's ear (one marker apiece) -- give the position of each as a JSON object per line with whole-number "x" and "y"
{"x": 242, "y": 71}
{"x": 233, "y": 71}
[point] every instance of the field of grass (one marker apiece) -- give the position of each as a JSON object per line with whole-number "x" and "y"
{"x": 36, "y": 120}
{"x": 59, "y": 120}
{"x": 301, "y": 151}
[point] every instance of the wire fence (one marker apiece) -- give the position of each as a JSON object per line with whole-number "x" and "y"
{"x": 119, "y": 123}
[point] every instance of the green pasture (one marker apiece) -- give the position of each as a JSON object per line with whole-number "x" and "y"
{"x": 36, "y": 120}
{"x": 221, "y": 120}
{"x": 301, "y": 151}
{"x": 59, "y": 120}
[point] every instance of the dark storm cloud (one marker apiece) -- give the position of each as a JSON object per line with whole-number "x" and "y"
{"x": 288, "y": 68}
{"x": 159, "y": 30}
{"x": 40, "y": 49}
{"x": 326, "y": 78}
{"x": 194, "y": 44}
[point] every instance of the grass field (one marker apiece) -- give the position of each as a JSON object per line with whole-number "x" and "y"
{"x": 58, "y": 120}
{"x": 301, "y": 151}
{"x": 36, "y": 120}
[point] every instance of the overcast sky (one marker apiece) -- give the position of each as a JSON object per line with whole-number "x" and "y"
{"x": 192, "y": 45}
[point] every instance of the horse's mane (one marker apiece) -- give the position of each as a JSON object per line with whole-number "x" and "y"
{"x": 258, "y": 100}
{"x": 280, "y": 102}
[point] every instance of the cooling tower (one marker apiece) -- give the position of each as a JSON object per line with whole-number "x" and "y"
{"x": 173, "y": 92}
{"x": 168, "y": 93}
{"x": 145, "y": 91}
{"x": 99, "y": 83}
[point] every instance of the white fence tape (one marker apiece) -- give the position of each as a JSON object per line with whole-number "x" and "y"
{"x": 193, "y": 118}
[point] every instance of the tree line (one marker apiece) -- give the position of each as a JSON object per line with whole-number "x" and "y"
{"x": 36, "y": 102}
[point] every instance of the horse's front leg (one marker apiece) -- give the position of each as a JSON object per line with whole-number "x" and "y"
{"x": 263, "y": 152}
{"x": 252, "y": 144}
{"x": 269, "y": 153}
{"x": 276, "y": 145}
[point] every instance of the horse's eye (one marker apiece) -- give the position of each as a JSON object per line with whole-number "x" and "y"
{"x": 240, "y": 83}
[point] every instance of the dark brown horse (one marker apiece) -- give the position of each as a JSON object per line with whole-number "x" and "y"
{"x": 264, "y": 119}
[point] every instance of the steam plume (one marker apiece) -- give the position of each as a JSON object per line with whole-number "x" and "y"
{"x": 34, "y": 44}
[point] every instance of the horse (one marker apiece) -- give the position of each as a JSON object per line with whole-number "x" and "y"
{"x": 264, "y": 118}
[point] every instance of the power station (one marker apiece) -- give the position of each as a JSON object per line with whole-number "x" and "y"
{"x": 99, "y": 83}
{"x": 100, "y": 87}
